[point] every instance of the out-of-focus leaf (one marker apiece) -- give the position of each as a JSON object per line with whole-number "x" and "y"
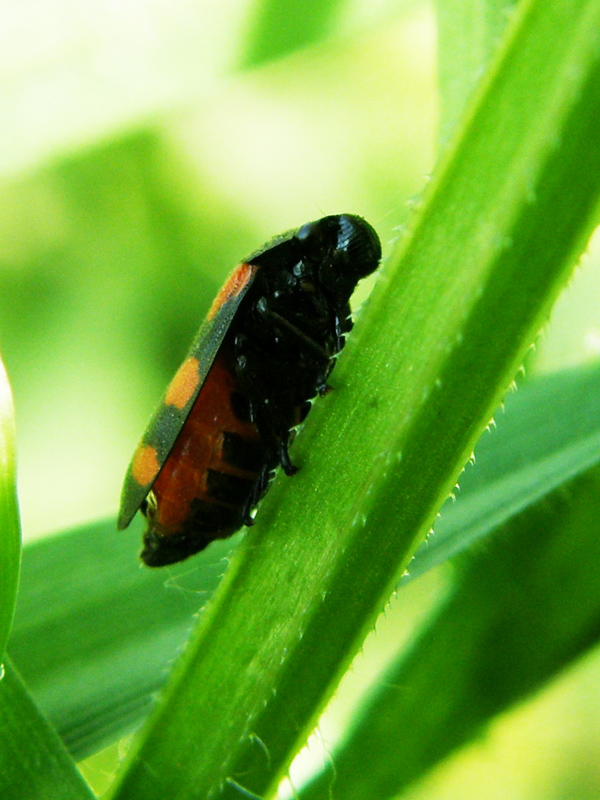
{"x": 95, "y": 632}
{"x": 34, "y": 764}
{"x": 550, "y": 433}
{"x": 10, "y": 529}
{"x": 523, "y": 608}
{"x": 282, "y": 27}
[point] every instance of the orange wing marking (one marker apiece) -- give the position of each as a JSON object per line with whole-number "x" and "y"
{"x": 232, "y": 287}
{"x": 145, "y": 466}
{"x": 184, "y": 384}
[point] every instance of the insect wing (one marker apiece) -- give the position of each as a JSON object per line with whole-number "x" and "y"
{"x": 169, "y": 418}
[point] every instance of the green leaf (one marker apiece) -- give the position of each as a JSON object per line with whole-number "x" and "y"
{"x": 34, "y": 764}
{"x": 132, "y": 621}
{"x": 280, "y": 28}
{"x": 522, "y": 609}
{"x": 549, "y": 434}
{"x": 434, "y": 351}
{"x": 468, "y": 34}
{"x": 112, "y": 626}
{"x": 10, "y": 529}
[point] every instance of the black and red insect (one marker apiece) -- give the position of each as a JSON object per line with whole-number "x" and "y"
{"x": 229, "y": 415}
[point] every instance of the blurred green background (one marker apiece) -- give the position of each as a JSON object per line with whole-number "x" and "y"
{"x": 145, "y": 149}
{"x": 142, "y": 156}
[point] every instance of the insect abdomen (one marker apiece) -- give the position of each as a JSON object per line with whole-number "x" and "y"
{"x": 208, "y": 480}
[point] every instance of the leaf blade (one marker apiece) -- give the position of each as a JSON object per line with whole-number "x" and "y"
{"x": 34, "y": 764}
{"x": 521, "y": 610}
{"x": 10, "y": 528}
{"x": 548, "y": 434}
{"x": 113, "y": 626}
{"x": 280, "y": 30}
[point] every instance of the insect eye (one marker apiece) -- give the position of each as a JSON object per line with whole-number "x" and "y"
{"x": 358, "y": 249}
{"x": 307, "y": 231}
{"x": 313, "y": 240}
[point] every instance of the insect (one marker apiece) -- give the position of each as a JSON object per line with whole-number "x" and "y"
{"x": 228, "y": 417}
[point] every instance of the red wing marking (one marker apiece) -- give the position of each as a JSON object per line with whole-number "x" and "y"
{"x": 199, "y": 447}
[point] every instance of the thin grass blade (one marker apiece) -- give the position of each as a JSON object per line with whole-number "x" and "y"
{"x": 10, "y": 527}
{"x": 34, "y": 764}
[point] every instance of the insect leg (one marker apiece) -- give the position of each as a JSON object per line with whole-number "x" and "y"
{"x": 258, "y": 491}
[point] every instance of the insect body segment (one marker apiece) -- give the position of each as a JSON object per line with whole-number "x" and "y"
{"x": 206, "y": 483}
{"x": 228, "y": 418}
